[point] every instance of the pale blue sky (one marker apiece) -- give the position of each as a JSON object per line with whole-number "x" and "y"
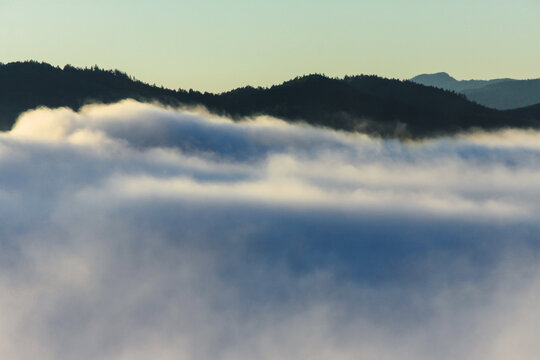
{"x": 217, "y": 45}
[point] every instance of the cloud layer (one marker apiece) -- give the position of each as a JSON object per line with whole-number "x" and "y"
{"x": 133, "y": 231}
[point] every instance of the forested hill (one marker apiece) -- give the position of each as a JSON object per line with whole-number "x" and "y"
{"x": 27, "y": 85}
{"x": 360, "y": 103}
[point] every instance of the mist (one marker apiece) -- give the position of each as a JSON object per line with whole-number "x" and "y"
{"x": 137, "y": 231}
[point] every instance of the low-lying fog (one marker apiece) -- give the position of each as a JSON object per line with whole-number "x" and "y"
{"x": 132, "y": 231}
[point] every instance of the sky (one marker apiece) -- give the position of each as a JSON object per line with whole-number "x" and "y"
{"x": 131, "y": 231}
{"x": 219, "y": 45}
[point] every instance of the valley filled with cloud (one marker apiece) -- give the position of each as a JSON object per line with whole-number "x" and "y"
{"x": 137, "y": 231}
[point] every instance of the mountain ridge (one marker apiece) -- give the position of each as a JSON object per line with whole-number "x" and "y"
{"x": 500, "y": 94}
{"x": 444, "y": 81}
{"x": 366, "y": 103}
{"x": 507, "y": 95}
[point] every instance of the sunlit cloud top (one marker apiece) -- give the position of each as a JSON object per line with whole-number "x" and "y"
{"x": 135, "y": 231}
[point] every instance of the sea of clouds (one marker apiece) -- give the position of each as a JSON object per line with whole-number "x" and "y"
{"x": 134, "y": 231}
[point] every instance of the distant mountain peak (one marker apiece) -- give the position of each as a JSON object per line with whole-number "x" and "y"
{"x": 441, "y": 75}
{"x": 441, "y": 80}
{"x": 444, "y": 81}
{"x": 501, "y": 94}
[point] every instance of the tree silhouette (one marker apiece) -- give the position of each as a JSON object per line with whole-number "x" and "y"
{"x": 366, "y": 103}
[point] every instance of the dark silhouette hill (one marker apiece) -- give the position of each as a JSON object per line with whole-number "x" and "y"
{"x": 369, "y": 104}
{"x": 27, "y": 85}
{"x": 365, "y": 103}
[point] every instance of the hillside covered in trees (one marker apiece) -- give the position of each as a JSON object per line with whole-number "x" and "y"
{"x": 359, "y": 103}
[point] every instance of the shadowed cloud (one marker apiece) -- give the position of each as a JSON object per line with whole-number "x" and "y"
{"x": 134, "y": 231}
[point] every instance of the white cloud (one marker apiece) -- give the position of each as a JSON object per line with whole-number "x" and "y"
{"x": 132, "y": 231}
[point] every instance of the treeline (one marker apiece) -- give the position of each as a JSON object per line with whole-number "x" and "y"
{"x": 27, "y": 85}
{"x": 388, "y": 107}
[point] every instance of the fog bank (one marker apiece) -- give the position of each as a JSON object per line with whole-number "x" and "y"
{"x": 133, "y": 231}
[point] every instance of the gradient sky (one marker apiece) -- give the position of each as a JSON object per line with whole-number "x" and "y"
{"x": 217, "y": 45}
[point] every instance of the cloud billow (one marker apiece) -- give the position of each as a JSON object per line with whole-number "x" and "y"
{"x": 132, "y": 231}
